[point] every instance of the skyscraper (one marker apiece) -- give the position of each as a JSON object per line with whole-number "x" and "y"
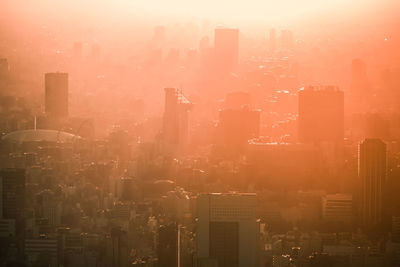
{"x": 372, "y": 174}
{"x": 12, "y": 189}
{"x": 226, "y": 47}
{"x": 227, "y": 229}
{"x": 175, "y": 128}
{"x": 237, "y": 126}
{"x": 168, "y": 245}
{"x": 56, "y": 94}
{"x": 321, "y": 114}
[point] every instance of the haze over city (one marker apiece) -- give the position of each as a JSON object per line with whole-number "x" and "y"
{"x": 200, "y": 133}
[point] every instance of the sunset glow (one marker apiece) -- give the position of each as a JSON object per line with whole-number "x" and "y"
{"x": 200, "y": 133}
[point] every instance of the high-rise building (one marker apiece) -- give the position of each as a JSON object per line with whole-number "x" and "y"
{"x": 12, "y": 189}
{"x": 226, "y": 48}
{"x": 372, "y": 174}
{"x": 168, "y": 245}
{"x": 337, "y": 208}
{"x": 237, "y": 126}
{"x": 42, "y": 252}
{"x": 56, "y": 94}
{"x": 175, "y": 128}
{"x": 227, "y": 229}
{"x": 321, "y": 114}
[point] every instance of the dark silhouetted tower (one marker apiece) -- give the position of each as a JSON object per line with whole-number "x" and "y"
{"x": 226, "y": 47}
{"x": 321, "y": 114}
{"x": 56, "y": 95}
{"x": 12, "y": 188}
{"x": 372, "y": 174}
{"x": 168, "y": 245}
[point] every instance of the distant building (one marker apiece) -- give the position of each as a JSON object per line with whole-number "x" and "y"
{"x": 337, "y": 208}
{"x": 168, "y": 245}
{"x": 7, "y": 228}
{"x": 227, "y": 229}
{"x": 175, "y": 124}
{"x": 56, "y": 94}
{"x": 396, "y": 229}
{"x": 237, "y": 126}
{"x": 226, "y": 49}
{"x": 372, "y": 175}
{"x": 321, "y": 114}
{"x": 42, "y": 252}
{"x": 12, "y": 189}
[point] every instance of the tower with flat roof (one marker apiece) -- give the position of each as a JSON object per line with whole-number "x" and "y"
{"x": 227, "y": 229}
{"x": 372, "y": 175}
{"x": 56, "y": 94}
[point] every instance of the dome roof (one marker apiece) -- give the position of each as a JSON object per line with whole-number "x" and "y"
{"x": 40, "y": 136}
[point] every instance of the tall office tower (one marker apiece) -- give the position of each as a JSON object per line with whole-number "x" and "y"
{"x": 226, "y": 49}
{"x": 175, "y": 128}
{"x": 56, "y": 94}
{"x": 372, "y": 174}
{"x": 237, "y": 126}
{"x": 272, "y": 39}
{"x": 168, "y": 245}
{"x": 12, "y": 189}
{"x": 337, "y": 208}
{"x": 396, "y": 229}
{"x": 227, "y": 229}
{"x": 321, "y": 114}
{"x": 42, "y": 252}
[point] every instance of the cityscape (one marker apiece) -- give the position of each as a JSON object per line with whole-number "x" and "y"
{"x": 172, "y": 133}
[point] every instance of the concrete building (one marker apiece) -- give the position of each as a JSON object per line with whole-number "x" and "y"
{"x": 56, "y": 94}
{"x": 175, "y": 124}
{"x": 372, "y": 174}
{"x": 12, "y": 190}
{"x": 321, "y": 114}
{"x": 227, "y": 229}
{"x": 337, "y": 208}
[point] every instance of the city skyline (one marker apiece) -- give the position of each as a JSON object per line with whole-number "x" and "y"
{"x": 199, "y": 133}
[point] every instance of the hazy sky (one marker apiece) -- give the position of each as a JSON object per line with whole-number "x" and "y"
{"x": 240, "y": 10}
